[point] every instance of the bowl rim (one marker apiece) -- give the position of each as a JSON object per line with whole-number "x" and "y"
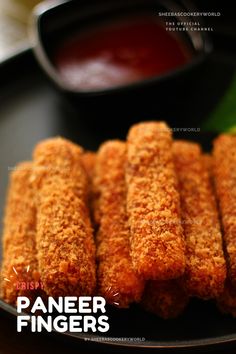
{"x": 44, "y": 60}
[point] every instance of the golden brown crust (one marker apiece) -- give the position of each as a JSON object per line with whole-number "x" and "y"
{"x": 19, "y": 250}
{"x": 205, "y": 271}
{"x": 157, "y": 244}
{"x": 117, "y": 280}
{"x": 224, "y": 153}
{"x": 208, "y": 164}
{"x": 88, "y": 160}
{"x": 166, "y": 299}
{"x": 66, "y": 250}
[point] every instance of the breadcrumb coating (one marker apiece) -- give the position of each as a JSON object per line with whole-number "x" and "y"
{"x": 205, "y": 271}
{"x": 159, "y": 238}
{"x": 166, "y": 298}
{"x": 208, "y": 164}
{"x": 157, "y": 243}
{"x": 88, "y": 160}
{"x": 224, "y": 153}
{"x": 19, "y": 251}
{"x": 117, "y": 281}
{"x": 65, "y": 244}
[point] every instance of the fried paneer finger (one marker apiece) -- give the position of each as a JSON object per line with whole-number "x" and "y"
{"x": 19, "y": 251}
{"x": 205, "y": 271}
{"x": 157, "y": 243}
{"x": 65, "y": 244}
{"x": 88, "y": 160}
{"x": 208, "y": 163}
{"x": 117, "y": 281}
{"x": 167, "y": 298}
{"x": 224, "y": 154}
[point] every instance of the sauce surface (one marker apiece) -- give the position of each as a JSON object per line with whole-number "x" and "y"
{"x": 119, "y": 53}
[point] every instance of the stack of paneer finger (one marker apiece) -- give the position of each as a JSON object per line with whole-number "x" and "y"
{"x": 47, "y": 225}
{"x": 148, "y": 220}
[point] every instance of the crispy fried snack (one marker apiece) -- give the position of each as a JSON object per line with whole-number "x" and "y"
{"x": 157, "y": 243}
{"x": 65, "y": 244}
{"x": 205, "y": 264}
{"x": 208, "y": 163}
{"x": 19, "y": 252}
{"x": 88, "y": 160}
{"x": 117, "y": 281}
{"x": 224, "y": 154}
{"x": 167, "y": 298}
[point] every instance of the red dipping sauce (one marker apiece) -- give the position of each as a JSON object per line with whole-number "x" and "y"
{"x": 119, "y": 53}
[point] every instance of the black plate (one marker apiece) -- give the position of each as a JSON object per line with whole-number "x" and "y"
{"x": 30, "y": 110}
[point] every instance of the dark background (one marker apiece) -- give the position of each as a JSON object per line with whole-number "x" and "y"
{"x": 31, "y": 110}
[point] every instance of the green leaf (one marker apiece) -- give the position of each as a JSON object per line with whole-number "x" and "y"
{"x": 223, "y": 118}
